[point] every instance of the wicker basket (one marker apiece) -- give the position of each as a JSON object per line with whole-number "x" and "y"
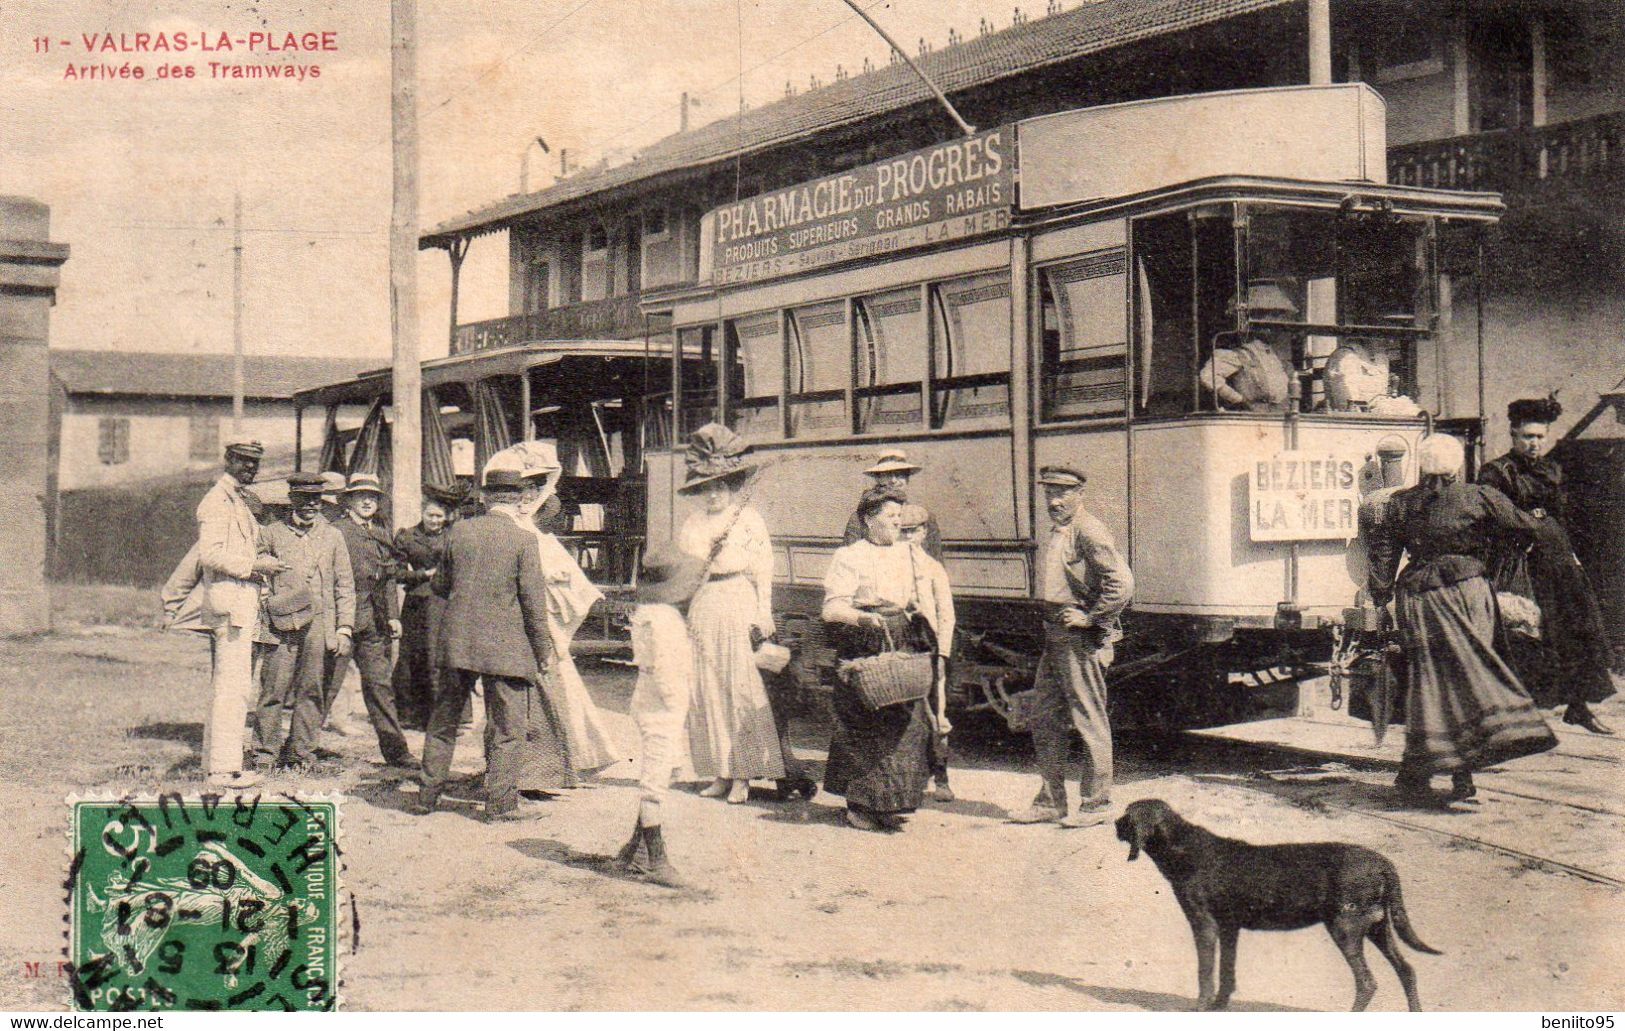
{"x": 892, "y": 677}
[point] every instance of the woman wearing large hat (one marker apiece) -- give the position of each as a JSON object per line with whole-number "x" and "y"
{"x": 1569, "y": 664}
{"x": 732, "y": 736}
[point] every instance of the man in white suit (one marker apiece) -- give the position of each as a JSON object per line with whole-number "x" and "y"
{"x": 229, "y": 553}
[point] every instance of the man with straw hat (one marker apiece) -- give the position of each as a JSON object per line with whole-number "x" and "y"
{"x": 665, "y": 661}
{"x": 893, "y": 469}
{"x": 374, "y": 561}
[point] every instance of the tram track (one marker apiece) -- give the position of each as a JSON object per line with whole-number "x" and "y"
{"x": 1280, "y": 789}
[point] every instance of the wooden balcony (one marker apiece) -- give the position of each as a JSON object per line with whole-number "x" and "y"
{"x": 614, "y": 318}
{"x": 1512, "y": 161}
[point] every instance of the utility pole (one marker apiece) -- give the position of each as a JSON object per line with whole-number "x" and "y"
{"x": 237, "y": 317}
{"x": 406, "y": 382}
{"x": 682, "y": 119}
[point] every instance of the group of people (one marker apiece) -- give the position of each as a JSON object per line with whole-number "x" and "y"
{"x": 1473, "y": 689}
{"x": 492, "y": 601}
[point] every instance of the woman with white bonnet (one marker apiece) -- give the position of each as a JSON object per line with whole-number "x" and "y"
{"x": 732, "y": 737}
{"x": 570, "y": 595}
{"x": 1464, "y": 707}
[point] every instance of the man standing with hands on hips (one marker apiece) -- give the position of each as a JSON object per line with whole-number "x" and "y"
{"x": 1084, "y": 584}
{"x": 228, "y": 548}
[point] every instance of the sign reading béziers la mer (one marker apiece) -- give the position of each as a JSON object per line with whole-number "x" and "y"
{"x": 1303, "y": 496}
{"x": 953, "y": 190}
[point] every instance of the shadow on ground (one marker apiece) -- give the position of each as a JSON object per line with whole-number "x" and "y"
{"x": 190, "y": 734}
{"x": 1160, "y": 1002}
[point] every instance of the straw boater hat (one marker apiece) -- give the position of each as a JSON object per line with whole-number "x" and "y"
{"x": 531, "y": 459}
{"x": 332, "y": 485}
{"x": 892, "y": 462}
{"x": 668, "y": 577}
{"x": 715, "y": 453}
{"x": 363, "y": 483}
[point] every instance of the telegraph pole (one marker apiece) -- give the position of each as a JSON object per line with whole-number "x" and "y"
{"x": 237, "y": 317}
{"x": 407, "y": 379}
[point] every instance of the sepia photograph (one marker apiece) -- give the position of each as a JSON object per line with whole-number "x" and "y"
{"x": 808, "y": 506}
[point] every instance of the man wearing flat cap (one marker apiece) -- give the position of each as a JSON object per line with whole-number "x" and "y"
{"x": 311, "y": 611}
{"x": 1084, "y": 584}
{"x": 893, "y": 469}
{"x": 374, "y": 561}
{"x": 494, "y": 630}
{"x": 228, "y": 552}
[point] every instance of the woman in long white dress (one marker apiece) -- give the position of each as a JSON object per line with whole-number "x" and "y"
{"x": 731, "y": 733}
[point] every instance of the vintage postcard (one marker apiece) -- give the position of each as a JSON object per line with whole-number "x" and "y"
{"x": 812, "y": 505}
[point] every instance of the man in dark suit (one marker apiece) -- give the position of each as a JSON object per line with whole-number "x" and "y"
{"x": 494, "y": 629}
{"x": 377, "y": 615}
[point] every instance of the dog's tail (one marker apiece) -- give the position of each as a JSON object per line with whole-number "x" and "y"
{"x": 1400, "y": 920}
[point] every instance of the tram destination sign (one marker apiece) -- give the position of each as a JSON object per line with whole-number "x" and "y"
{"x": 952, "y": 191}
{"x": 1303, "y": 496}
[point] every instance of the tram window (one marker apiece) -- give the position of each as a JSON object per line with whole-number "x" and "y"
{"x": 699, "y": 384}
{"x": 892, "y": 349}
{"x": 819, "y": 351}
{"x": 1361, "y": 272}
{"x": 1083, "y": 322}
{"x": 1165, "y": 332}
{"x": 971, "y": 350}
{"x": 755, "y": 375}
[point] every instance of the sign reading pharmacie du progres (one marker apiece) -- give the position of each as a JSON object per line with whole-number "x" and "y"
{"x": 950, "y": 191}
{"x": 1303, "y": 496}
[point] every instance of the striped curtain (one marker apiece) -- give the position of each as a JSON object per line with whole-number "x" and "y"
{"x": 372, "y": 451}
{"x": 491, "y": 432}
{"x": 332, "y": 460}
{"x": 437, "y": 467}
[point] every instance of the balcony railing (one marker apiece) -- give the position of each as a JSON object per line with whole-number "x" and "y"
{"x": 611, "y": 318}
{"x": 1510, "y": 159}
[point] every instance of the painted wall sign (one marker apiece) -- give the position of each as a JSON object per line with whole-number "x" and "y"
{"x": 954, "y": 190}
{"x": 1303, "y": 496}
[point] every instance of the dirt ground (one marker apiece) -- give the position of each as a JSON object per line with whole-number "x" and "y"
{"x": 791, "y": 909}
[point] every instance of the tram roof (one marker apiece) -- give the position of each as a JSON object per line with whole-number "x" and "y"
{"x": 1087, "y": 29}
{"x": 496, "y": 361}
{"x": 1410, "y": 200}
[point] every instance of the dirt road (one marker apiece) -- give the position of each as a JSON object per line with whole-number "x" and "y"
{"x": 792, "y": 909}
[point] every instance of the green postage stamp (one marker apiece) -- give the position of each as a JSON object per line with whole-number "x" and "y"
{"x": 211, "y": 902}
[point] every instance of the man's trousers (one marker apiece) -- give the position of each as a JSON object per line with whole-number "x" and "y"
{"x": 291, "y": 685}
{"x": 1071, "y": 686}
{"x": 232, "y": 682}
{"x": 507, "y": 701}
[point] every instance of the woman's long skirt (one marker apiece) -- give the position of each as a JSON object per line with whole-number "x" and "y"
{"x": 1571, "y": 660}
{"x": 1465, "y": 708}
{"x": 730, "y": 724}
{"x": 880, "y": 759}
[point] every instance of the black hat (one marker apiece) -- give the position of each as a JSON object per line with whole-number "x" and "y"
{"x": 448, "y": 497}
{"x": 504, "y": 480}
{"x": 310, "y": 484}
{"x": 875, "y": 497}
{"x": 1534, "y": 409}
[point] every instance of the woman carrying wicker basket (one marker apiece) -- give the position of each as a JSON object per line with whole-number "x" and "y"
{"x": 879, "y": 754}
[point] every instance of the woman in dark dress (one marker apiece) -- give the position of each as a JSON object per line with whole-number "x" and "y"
{"x": 417, "y": 670}
{"x": 1465, "y": 708}
{"x": 879, "y": 759}
{"x": 1570, "y": 662}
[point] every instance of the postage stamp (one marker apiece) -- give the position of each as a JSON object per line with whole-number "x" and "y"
{"x": 206, "y": 902}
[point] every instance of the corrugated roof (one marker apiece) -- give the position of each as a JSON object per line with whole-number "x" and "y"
{"x": 1091, "y": 28}
{"x": 158, "y": 374}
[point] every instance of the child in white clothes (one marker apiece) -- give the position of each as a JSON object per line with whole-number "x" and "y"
{"x": 665, "y": 661}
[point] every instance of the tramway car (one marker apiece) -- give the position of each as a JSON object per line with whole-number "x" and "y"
{"x": 1054, "y": 291}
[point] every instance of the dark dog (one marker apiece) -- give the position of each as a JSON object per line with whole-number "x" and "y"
{"x": 1224, "y": 885}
